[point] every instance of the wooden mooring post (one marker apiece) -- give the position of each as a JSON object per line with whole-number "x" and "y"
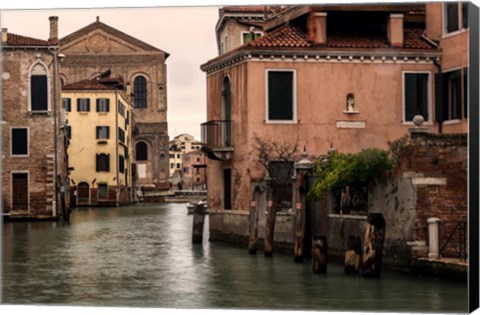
{"x": 302, "y": 167}
{"x": 373, "y": 245}
{"x": 253, "y": 222}
{"x": 270, "y": 221}
{"x": 198, "y": 222}
{"x": 319, "y": 254}
{"x": 353, "y": 255}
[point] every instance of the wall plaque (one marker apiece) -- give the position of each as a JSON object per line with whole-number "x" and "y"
{"x": 350, "y": 124}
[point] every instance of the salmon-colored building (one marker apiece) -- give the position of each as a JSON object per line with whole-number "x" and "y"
{"x": 349, "y": 77}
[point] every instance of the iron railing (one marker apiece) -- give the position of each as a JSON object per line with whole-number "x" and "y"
{"x": 217, "y": 134}
{"x": 453, "y": 234}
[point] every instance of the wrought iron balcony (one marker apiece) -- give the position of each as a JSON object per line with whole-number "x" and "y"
{"x": 217, "y": 139}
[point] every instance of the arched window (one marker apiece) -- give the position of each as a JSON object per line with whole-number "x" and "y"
{"x": 141, "y": 151}
{"x": 140, "y": 92}
{"x": 38, "y": 88}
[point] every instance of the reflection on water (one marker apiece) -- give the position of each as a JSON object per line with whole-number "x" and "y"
{"x": 143, "y": 256}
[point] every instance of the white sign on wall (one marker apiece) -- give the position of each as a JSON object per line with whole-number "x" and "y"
{"x": 350, "y": 124}
{"x": 142, "y": 170}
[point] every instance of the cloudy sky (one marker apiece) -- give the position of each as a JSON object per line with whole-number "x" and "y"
{"x": 186, "y": 33}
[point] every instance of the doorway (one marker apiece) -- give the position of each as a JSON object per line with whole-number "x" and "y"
{"x": 227, "y": 188}
{"x": 20, "y": 191}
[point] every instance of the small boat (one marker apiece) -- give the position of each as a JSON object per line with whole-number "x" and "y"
{"x": 191, "y": 206}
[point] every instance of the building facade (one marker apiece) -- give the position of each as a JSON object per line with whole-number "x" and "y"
{"x": 178, "y": 146}
{"x": 194, "y": 170}
{"x": 34, "y": 179}
{"x": 100, "y": 152}
{"x": 348, "y": 86}
{"x": 97, "y": 48}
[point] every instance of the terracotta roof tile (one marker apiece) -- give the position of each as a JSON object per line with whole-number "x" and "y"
{"x": 245, "y": 8}
{"x": 95, "y": 84}
{"x": 286, "y": 36}
{"x": 19, "y": 40}
{"x": 290, "y": 36}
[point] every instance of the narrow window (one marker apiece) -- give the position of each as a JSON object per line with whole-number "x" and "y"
{"x": 280, "y": 95}
{"x": 121, "y": 135}
{"x": 172, "y": 165}
{"x": 178, "y": 166}
{"x": 68, "y": 132}
{"x": 39, "y": 89}
{"x": 83, "y": 105}
{"x": 103, "y": 132}
{"x": 451, "y": 17}
{"x": 67, "y": 104}
{"x": 465, "y": 14}
{"x": 19, "y": 143}
{"x": 103, "y": 162}
{"x": 103, "y": 105}
{"x": 140, "y": 92}
{"x": 121, "y": 164}
{"x": 465, "y": 92}
{"x": 141, "y": 151}
{"x": 453, "y": 98}
{"x": 416, "y": 95}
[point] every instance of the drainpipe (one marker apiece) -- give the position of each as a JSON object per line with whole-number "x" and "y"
{"x": 55, "y": 135}
{"x": 439, "y": 70}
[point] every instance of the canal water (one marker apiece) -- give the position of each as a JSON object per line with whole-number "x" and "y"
{"x": 142, "y": 256}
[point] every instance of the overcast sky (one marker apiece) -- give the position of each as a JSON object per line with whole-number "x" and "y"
{"x": 186, "y": 33}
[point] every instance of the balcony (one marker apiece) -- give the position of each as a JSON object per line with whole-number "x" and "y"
{"x": 217, "y": 139}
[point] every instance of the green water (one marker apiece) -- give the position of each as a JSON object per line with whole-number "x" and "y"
{"x": 142, "y": 256}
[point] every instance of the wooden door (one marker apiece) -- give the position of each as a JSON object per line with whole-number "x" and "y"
{"x": 20, "y": 191}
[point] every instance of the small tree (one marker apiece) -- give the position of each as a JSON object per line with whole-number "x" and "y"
{"x": 339, "y": 170}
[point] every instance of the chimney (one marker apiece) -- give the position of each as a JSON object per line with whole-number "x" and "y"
{"x": 320, "y": 28}
{"x": 395, "y": 30}
{"x": 4, "y": 35}
{"x": 53, "y": 29}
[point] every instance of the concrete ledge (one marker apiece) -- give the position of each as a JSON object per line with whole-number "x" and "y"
{"x": 448, "y": 268}
{"x": 427, "y": 181}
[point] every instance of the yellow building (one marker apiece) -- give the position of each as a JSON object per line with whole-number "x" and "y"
{"x": 100, "y": 155}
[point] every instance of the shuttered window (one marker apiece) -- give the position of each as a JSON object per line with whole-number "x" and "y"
{"x": 103, "y": 132}
{"x": 103, "y": 105}
{"x": 121, "y": 135}
{"x": 280, "y": 95}
{"x": 103, "y": 162}
{"x": 451, "y": 17}
{"x": 67, "y": 104}
{"x": 83, "y": 105}
{"x": 416, "y": 95}
{"x": 19, "y": 138}
{"x": 452, "y": 108}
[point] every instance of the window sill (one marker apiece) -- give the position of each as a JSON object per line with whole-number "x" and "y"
{"x": 40, "y": 112}
{"x": 102, "y": 141}
{"x": 351, "y": 112}
{"x": 281, "y": 122}
{"x": 460, "y": 31}
{"x": 452, "y": 122}
{"x": 102, "y": 113}
{"x": 19, "y": 156}
{"x": 83, "y": 113}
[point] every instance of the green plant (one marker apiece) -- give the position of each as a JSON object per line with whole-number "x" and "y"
{"x": 397, "y": 149}
{"x": 338, "y": 170}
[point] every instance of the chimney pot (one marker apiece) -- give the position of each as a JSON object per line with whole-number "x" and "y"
{"x": 395, "y": 30}
{"x": 319, "y": 28}
{"x": 53, "y": 29}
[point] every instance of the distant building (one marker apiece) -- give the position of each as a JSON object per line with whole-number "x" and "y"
{"x": 194, "y": 170}
{"x": 100, "y": 153}
{"x": 99, "y": 47}
{"x": 34, "y": 177}
{"x": 178, "y": 146}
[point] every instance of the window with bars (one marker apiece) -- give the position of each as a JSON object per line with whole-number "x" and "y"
{"x": 140, "y": 92}
{"x": 103, "y": 105}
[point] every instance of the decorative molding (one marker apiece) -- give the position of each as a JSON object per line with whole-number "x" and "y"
{"x": 348, "y": 124}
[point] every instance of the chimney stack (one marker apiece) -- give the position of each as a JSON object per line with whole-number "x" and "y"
{"x": 320, "y": 28}
{"x": 4, "y": 35}
{"x": 395, "y": 30}
{"x": 53, "y": 29}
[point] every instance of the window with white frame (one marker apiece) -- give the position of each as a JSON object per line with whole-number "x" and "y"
{"x": 247, "y": 37}
{"x": 280, "y": 96}
{"x": 416, "y": 95}
{"x": 19, "y": 141}
{"x": 455, "y": 16}
{"x": 452, "y": 100}
{"x": 38, "y": 89}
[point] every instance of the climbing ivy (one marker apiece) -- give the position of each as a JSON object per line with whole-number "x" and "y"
{"x": 397, "y": 149}
{"x": 338, "y": 170}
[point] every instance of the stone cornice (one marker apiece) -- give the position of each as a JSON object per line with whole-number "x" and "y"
{"x": 324, "y": 55}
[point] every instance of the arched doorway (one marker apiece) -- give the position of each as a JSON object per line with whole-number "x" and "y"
{"x": 83, "y": 194}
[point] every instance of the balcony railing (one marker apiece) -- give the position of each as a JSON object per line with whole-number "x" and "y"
{"x": 217, "y": 134}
